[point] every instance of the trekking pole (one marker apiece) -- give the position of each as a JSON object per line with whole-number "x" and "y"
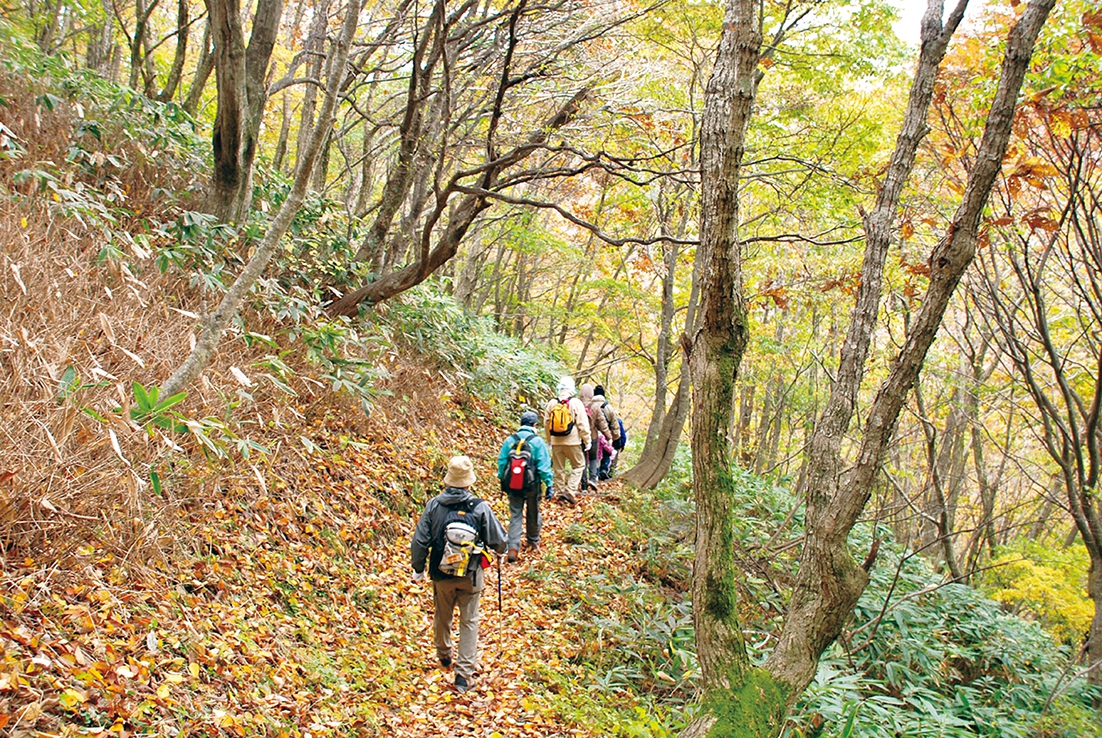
{"x": 499, "y": 583}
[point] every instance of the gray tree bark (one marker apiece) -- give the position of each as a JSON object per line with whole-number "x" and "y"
{"x": 829, "y": 580}
{"x": 215, "y": 324}
{"x": 241, "y": 76}
{"x": 714, "y": 353}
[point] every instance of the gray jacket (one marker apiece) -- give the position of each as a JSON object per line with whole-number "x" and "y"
{"x": 430, "y": 528}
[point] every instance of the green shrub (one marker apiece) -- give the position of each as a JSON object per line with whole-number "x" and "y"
{"x": 939, "y": 661}
{"x": 1044, "y": 583}
{"x": 468, "y": 348}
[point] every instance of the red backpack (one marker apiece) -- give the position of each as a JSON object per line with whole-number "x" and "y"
{"x": 520, "y": 470}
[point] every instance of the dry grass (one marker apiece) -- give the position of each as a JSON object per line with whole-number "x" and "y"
{"x": 69, "y": 480}
{"x": 65, "y": 480}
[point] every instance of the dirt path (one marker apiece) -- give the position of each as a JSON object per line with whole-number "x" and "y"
{"x": 518, "y": 646}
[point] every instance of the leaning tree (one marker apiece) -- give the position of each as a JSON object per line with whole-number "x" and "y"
{"x": 740, "y": 699}
{"x": 1040, "y": 290}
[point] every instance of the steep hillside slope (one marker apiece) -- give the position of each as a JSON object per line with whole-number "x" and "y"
{"x": 234, "y": 561}
{"x": 287, "y": 609}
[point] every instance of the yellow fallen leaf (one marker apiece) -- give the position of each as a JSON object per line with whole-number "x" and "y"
{"x": 72, "y": 698}
{"x": 163, "y": 691}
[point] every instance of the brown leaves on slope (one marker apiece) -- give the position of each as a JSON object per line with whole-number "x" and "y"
{"x": 289, "y": 611}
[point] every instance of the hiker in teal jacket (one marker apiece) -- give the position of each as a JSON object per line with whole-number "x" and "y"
{"x": 541, "y": 459}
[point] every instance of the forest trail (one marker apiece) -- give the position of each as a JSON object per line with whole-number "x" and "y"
{"x": 284, "y": 606}
{"x": 528, "y": 637}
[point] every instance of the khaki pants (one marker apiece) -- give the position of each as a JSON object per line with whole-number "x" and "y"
{"x": 447, "y": 593}
{"x": 567, "y": 483}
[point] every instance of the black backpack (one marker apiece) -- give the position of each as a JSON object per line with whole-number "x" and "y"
{"x": 520, "y": 469}
{"x": 457, "y": 558}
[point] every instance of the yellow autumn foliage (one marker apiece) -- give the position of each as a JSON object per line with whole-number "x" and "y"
{"x": 1047, "y": 584}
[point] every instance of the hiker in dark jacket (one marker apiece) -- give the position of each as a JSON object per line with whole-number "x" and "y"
{"x": 455, "y": 503}
{"x": 607, "y": 470}
{"x": 541, "y": 462}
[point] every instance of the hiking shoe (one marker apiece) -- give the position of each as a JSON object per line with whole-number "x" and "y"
{"x": 513, "y": 556}
{"x": 445, "y": 661}
{"x": 461, "y": 684}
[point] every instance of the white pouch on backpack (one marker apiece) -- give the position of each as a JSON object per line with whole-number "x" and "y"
{"x": 459, "y": 544}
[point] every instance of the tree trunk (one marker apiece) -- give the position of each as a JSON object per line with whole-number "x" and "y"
{"x": 663, "y": 354}
{"x": 736, "y": 696}
{"x": 202, "y": 74}
{"x": 101, "y": 42}
{"x": 427, "y": 54}
{"x": 829, "y": 581}
{"x": 183, "y": 27}
{"x": 938, "y": 515}
{"x": 314, "y": 46}
{"x": 469, "y": 276}
{"x": 215, "y": 324}
{"x": 1094, "y": 639}
{"x": 665, "y": 343}
{"x": 138, "y": 40}
{"x": 240, "y": 74}
{"x": 284, "y": 134}
{"x": 658, "y": 456}
{"x": 742, "y": 429}
{"x": 654, "y": 465}
{"x": 460, "y": 218}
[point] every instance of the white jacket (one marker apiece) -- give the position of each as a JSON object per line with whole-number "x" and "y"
{"x": 579, "y": 434}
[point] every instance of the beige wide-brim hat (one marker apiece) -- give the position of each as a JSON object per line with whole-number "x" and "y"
{"x": 460, "y": 472}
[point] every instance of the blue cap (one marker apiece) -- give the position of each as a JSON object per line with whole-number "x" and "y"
{"x": 529, "y": 417}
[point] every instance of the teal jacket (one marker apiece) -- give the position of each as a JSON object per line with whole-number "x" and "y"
{"x": 540, "y": 454}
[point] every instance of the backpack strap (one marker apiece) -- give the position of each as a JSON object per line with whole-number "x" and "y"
{"x": 479, "y": 542}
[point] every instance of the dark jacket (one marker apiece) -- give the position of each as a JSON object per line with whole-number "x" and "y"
{"x": 430, "y": 528}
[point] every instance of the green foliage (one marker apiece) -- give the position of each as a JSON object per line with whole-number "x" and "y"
{"x": 194, "y": 242}
{"x": 149, "y": 408}
{"x": 113, "y": 126}
{"x": 938, "y": 661}
{"x": 468, "y": 348}
{"x": 340, "y": 350}
{"x": 1045, "y": 583}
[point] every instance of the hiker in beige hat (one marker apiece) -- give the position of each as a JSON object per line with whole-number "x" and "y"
{"x": 453, "y": 536}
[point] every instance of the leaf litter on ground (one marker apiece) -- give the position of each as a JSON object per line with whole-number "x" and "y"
{"x": 287, "y": 609}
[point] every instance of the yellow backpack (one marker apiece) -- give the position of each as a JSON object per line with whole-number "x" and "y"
{"x": 560, "y": 421}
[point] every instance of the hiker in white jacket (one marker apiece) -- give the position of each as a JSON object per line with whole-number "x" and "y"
{"x": 567, "y": 427}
